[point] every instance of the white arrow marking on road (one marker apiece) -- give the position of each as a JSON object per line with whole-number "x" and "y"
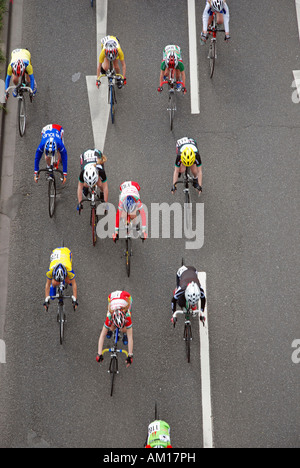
{"x": 205, "y": 376}
{"x": 194, "y": 82}
{"x": 99, "y": 107}
{"x": 297, "y": 72}
{"x": 298, "y": 14}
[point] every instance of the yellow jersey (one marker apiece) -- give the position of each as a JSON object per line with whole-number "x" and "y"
{"x": 64, "y": 256}
{"x": 20, "y": 54}
{"x": 104, "y": 41}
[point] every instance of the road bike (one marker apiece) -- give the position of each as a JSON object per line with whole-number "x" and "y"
{"x": 213, "y": 29}
{"x": 94, "y": 196}
{"x": 111, "y": 76}
{"x": 129, "y": 228}
{"x": 50, "y": 175}
{"x": 187, "y": 180}
{"x": 114, "y": 351}
{"x": 61, "y": 316}
{"x": 187, "y": 333}
{"x": 173, "y": 86}
{"x": 21, "y": 89}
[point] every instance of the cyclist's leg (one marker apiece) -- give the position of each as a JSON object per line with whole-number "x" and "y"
{"x": 220, "y": 18}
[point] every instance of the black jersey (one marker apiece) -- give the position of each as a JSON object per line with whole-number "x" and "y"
{"x": 91, "y": 157}
{"x": 185, "y": 276}
{"x": 181, "y": 145}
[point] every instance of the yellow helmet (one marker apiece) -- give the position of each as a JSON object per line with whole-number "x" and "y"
{"x": 188, "y": 157}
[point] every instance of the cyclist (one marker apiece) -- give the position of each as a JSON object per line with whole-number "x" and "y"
{"x": 221, "y": 8}
{"x": 188, "y": 291}
{"x": 188, "y": 156}
{"x": 60, "y": 270}
{"x": 158, "y": 435}
{"x": 20, "y": 63}
{"x": 52, "y": 141}
{"x": 130, "y": 203}
{"x": 111, "y": 52}
{"x": 172, "y": 61}
{"x": 92, "y": 173}
{"x": 118, "y": 316}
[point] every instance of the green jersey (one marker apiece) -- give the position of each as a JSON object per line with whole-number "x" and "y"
{"x": 177, "y": 52}
{"x": 159, "y": 435}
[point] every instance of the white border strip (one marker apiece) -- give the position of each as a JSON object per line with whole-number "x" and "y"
{"x": 298, "y": 14}
{"x": 205, "y": 376}
{"x": 194, "y": 82}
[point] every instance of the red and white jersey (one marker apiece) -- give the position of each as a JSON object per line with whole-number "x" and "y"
{"x": 119, "y": 299}
{"x": 130, "y": 188}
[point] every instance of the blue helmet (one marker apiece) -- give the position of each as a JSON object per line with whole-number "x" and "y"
{"x": 50, "y": 147}
{"x": 129, "y": 204}
{"x": 59, "y": 273}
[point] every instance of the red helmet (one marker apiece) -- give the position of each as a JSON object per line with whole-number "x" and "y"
{"x": 171, "y": 60}
{"x": 18, "y": 68}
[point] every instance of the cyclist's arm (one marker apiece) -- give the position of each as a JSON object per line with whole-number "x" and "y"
{"x": 226, "y": 18}
{"x": 79, "y": 191}
{"x": 64, "y": 157}
{"x": 105, "y": 191}
{"x": 175, "y": 175}
{"x": 47, "y": 287}
{"x": 205, "y": 18}
{"x": 200, "y": 175}
{"x": 161, "y": 76}
{"x": 74, "y": 286}
{"x": 99, "y": 69}
{"x": 123, "y": 68}
{"x": 38, "y": 155}
{"x": 130, "y": 340}
{"x": 101, "y": 340}
{"x": 183, "y": 78}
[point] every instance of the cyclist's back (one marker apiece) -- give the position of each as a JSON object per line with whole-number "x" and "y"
{"x": 158, "y": 435}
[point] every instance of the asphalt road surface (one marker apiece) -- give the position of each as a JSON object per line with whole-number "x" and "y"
{"x": 248, "y": 134}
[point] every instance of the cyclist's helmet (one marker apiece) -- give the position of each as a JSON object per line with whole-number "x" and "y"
{"x": 129, "y": 204}
{"x": 217, "y": 5}
{"x": 50, "y": 147}
{"x": 188, "y": 157}
{"x": 118, "y": 318}
{"x": 18, "y": 68}
{"x": 60, "y": 273}
{"x": 171, "y": 60}
{"x": 90, "y": 175}
{"x": 192, "y": 293}
{"x": 111, "y": 50}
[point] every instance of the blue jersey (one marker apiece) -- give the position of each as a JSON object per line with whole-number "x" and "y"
{"x": 56, "y": 132}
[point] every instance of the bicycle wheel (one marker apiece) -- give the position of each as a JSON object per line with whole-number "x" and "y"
{"x": 212, "y": 57}
{"x": 113, "y": 369}
{"x": 128, "y": 256}
{"x": 112, "y": 104}
{"x": 94, "y": 224}
{"x": 172, "y": 108}
{"x": 61, "y": 321}
{"x": 187, "y": 210}
{"x": 52, "y": 195}
{"x": 187, "y": 338}
{"x": 22, "y": 115}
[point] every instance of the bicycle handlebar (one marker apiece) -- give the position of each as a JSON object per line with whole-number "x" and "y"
{"x": 168, "y": 81}
{"x": 24, "y": 88}
{"x": 111, "y": 350}
{"x": 182, "y": 312}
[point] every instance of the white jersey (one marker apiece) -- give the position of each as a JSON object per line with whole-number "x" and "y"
{"x": 208, "y": 12}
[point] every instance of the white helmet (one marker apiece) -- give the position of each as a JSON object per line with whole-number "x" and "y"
{"x": 192, "y": 293}
{"x": 90, "y": 175}
{"x": 217, "y": 5}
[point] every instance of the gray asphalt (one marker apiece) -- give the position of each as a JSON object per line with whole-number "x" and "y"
{"x": 248, "y": 133}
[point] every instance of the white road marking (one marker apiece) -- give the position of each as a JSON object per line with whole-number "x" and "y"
{"x": 298, "y": 14}
{"x": 207, "y": 420}
{"x": 296, "y": 84}
{"x": 194, "y": 82}
{"x": 99, "y": 107}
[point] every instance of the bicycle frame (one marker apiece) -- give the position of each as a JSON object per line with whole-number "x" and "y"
{"x": 113, "y": 366}
{"x": 212, "y": 30}
{"x": 111, "y": 76}
{"x": 171, "y": 82}
{"x": 52, "y": 184}
{"x": 61, "y": 317}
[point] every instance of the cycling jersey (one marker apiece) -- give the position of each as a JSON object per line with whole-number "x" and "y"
{"x": 118, "y": 300}
{"x": 158, "y": 435}
{"x": 180, "y": 147}
{"x": 64, "y": 256}
{"x": 20, "y": 54}
{"x": 177, "y": 52}
{"x": 117, "y": 43}
{"x": 186, "y": 275}
{"x": 56, "y": 132}
{"x": 132, "y": 189}
{"x": 88, "y": 157}
{"x": 209, "y": 12}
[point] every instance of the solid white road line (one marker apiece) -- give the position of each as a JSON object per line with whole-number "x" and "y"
{"x": 205, "y": 376}
{"x": 99, "y": 107}
{"x": 298, "y": 14}
{"x": 194, "y": 82}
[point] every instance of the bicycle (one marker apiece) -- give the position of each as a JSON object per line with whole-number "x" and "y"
{"x": 22, "y": 88}
{"x": 212, "y": 55}
{"x": 173, "y": 85}
{"x": 114, "y": 366}
{"x": 93, "y": 196}
{"x": 50, "y": 174}
{"x": 61, "y": 316}
{"x": 128, "y": 227}
{"x": 187, "y": 179}
{"x": 111, "y": 76}
{"x": 187, "y": 333}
